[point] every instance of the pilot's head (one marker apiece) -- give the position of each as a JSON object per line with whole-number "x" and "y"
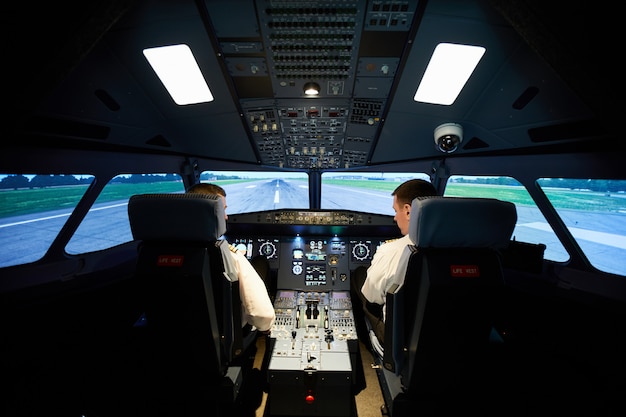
{"x": 208, "y": 188}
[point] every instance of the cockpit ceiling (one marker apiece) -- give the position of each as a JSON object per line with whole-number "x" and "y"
{"x": 366, "y": 57}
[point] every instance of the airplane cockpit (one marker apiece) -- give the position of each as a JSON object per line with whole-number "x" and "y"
{"x": 310, "y": 114}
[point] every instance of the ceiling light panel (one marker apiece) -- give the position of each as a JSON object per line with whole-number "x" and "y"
{"x": 178, "y": 70}
{"x": 449, "y": 68}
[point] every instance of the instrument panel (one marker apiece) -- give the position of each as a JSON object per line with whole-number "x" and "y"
{"x": 311, "y": 262}
{"x": 311, "y": 249}
{"x": 360, "y": 250}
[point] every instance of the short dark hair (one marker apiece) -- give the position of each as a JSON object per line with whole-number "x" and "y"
{"x": 411, "y": 189}
{"x": 207, "y": 188}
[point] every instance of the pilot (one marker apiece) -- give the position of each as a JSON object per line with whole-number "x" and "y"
{"x": 371, "y": 285}
{"x": 258, "y": 310}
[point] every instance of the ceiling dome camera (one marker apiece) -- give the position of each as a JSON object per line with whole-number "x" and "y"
{"x": 448, "y": 137}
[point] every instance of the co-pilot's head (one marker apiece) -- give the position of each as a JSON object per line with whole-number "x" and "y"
{"x": 403, "y": 197}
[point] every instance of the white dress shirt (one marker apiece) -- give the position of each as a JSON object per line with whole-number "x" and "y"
{"x": 387, "y": 270}
{"x": 257, "y": 308}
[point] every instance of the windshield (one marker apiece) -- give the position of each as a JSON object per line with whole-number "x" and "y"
{"x": 363, "y": 191}
{"x": 34, "y": 208}
{"x": 248, "y": 191}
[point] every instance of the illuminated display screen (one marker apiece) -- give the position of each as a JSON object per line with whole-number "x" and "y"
{"x": 316, "y": 250}
{"x": 337, "y": 246}
{"x": 315, "y": 274}
{"x": 315, "y": 256}
{"x": 285, "y": 294}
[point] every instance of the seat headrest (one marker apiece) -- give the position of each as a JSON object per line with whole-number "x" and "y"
{"x": 445, "y": 222}
{"x": 190, "y": 217}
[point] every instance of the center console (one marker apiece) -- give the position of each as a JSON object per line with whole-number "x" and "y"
{"x": 313, "y": 353}
{"x": 314, "y": 360}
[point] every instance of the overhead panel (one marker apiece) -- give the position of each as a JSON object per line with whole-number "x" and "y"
{"x": 351, "y": 49}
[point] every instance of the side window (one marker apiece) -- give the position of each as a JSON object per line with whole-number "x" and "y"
{"x": 594, "y": 212}
{"x": 33, "y": 209}
{"x": 531, "y": 227}
{"x": 106, "y": 225}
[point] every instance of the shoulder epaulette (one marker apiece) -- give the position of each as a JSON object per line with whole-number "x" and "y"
{"x": 232, "y": 248}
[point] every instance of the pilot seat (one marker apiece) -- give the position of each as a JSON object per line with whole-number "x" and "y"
{"x": 196, "y": 351}
{"x": 440, "y": 346}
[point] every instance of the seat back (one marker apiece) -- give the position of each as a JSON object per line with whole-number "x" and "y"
{"x": 439, "y": 321}
{"x": 192, "y": 310}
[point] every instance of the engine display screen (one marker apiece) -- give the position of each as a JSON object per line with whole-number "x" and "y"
{"x": 316, "y": 250}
